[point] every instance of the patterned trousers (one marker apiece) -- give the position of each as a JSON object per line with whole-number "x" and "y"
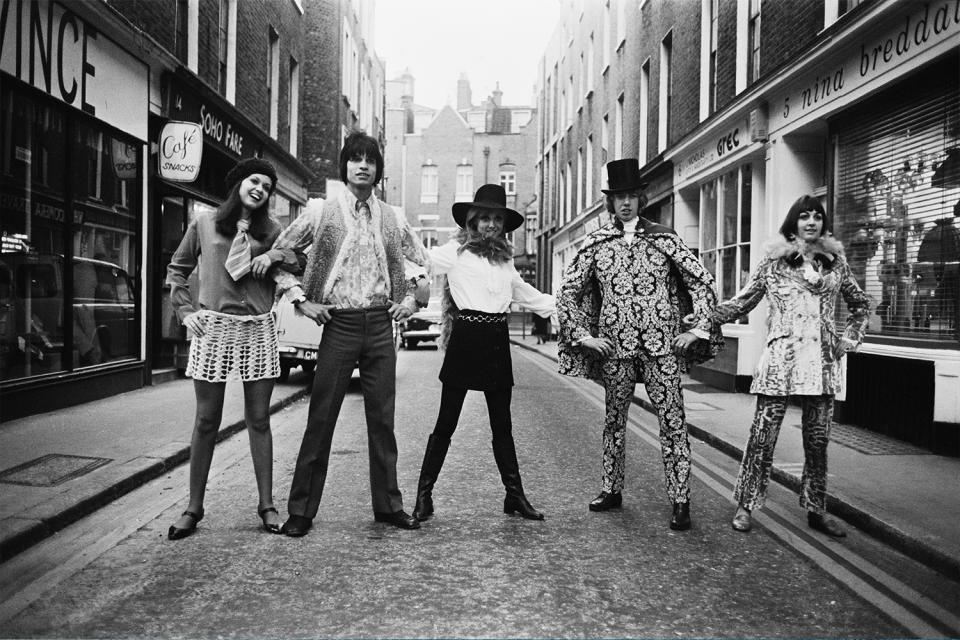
{"x": 754, "y": 474}
{"x": 662, "y": 380}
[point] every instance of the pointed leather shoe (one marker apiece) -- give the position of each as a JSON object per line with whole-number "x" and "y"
{"x": 400, "y": 519}
{"x": 742, "y": 522}
{"x": 606, "y": 501}
{"x": 175, "y": 533}
{"x": 296, "y": 526}
{"x": 681, "y": 516}
{"x": 818, "y": 523}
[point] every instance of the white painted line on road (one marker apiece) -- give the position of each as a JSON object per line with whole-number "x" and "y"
{"x": 893, "y": 597}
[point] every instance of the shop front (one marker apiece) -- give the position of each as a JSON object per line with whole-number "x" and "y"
{"x": 718, "y": 190}
{"x": 181, "y": 191}
{"x": 71, "y": 213}
{"x": 870, "y": 123}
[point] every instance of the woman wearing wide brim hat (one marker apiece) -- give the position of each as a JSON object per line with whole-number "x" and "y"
{"x": 482, "y": 282}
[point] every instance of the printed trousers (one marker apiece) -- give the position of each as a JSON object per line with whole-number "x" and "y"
{"x": 754, "y": 476}
{"x": 661, "y": 376}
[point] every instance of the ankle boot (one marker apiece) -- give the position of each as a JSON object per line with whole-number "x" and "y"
{"x": 505, "y": 454}
{"x": 433, "y": 459}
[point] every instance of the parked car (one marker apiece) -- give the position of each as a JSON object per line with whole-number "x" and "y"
{"x": 422, "y": 326}
{"x": 299, "y": 339}
{"x": 105, "y": 326}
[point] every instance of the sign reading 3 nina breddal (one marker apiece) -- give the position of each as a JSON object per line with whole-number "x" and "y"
{"x": 180, "y": 150}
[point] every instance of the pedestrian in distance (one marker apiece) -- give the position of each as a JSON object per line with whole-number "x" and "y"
{"x": 802, "y": 275}
{"x": 541, "y": 328}
{"x": 232, "y": 327}
{"x": 482, "y": 282}
{"x": 355, "y": 286}
{"x": 620, "y": 307}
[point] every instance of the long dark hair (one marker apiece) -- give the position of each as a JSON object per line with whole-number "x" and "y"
{"x": 805, "y": 203}
{"x": 229, "y": 212}
{"x": 359, "y": 144}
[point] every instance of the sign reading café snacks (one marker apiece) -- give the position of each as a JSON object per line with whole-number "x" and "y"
{"x": 180, "y": 148}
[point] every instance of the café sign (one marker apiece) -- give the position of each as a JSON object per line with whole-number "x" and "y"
{"x": 179, "y": 151}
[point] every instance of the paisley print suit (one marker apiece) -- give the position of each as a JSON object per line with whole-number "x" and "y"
{"x": 635, "y": 295}
{"x": 799, "y": 359}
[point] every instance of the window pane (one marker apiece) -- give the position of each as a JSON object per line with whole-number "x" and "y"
{"x": 709, "y": 216}
{"x": 728, "y": 264}
{"x": 746, "y": 204}
{"x": 730, "y": 208}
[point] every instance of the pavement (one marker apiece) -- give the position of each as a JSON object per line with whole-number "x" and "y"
{"x": 60, "y": 466}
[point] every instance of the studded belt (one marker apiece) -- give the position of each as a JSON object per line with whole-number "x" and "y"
{"x": 469, "y": 315}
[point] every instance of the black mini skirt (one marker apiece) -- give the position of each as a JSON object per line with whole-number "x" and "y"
{"x": 478, "y": 353}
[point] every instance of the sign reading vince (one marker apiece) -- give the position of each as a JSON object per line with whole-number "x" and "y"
{"x": 180, "y": 150}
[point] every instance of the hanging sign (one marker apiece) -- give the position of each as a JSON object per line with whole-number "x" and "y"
{"x": 124, "y": 157}
{"x": 179, "y": 151}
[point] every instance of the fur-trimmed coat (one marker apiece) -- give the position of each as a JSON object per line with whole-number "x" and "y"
{"x": 635, "y": 295}
{"x": 802, "y": 341}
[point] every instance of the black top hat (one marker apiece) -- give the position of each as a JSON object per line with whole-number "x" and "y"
{"x": 489, "y": 196}
{"x": 624, "y": 175}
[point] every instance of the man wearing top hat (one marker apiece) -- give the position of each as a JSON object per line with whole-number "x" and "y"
{"x": 621, "y": 307}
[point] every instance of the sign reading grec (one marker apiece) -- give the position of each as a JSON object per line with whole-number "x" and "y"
{"x": 50, "y": 47}
{"x": 734, "y": 137}
{"x": 219, "y": 129}
{"x": 920, "y": 28}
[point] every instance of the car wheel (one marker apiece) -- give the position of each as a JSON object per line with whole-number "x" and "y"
{"x": 411, "y": 344}
{"x": 284, "y": 371}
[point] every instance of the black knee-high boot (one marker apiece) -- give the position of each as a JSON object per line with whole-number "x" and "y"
{"x": 433, "y": 459}
{"x": 516, "y": 502}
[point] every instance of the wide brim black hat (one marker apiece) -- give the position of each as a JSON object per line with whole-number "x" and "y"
{"x": 624, "y": 175}
{"x": 494, "y": 198}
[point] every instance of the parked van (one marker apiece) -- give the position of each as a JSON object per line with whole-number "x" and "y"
{"x": 32, "y": 302}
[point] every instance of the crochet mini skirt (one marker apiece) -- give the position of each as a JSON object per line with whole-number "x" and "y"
{"x": 235, "y": 348}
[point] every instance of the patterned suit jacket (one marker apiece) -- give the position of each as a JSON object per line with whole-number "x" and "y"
{"x": 636, "y": 296}
{"x": 802, "y": 338}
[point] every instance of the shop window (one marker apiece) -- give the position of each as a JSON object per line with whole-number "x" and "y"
{"x": 726, "y": 214}
{"x": 70, "y": 299}
{"x": 897, "y": 198}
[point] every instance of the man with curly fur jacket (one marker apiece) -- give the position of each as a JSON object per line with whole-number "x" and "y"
{"x": 355, "y": 286}
{"x": 621, "y": 306}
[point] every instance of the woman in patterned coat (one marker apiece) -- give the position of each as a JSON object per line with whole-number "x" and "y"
{"x": 802, "y": 276}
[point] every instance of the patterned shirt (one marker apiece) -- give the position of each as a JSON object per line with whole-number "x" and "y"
{"x": 360, "y": 281}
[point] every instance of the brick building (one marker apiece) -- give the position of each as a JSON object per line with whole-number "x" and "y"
{"x": 122, "y": 120}
{"x": 343, "y": 85}
{"x": 736, "y": 108}
{"x": 437, "y": 157}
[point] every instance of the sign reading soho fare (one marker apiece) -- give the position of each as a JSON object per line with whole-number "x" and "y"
{"x": 921, "y": 28}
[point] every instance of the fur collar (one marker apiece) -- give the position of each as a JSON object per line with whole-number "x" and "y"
{"x": 826, "y": 250}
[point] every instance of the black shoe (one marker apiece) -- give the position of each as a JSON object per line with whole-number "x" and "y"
{"x": 268, "y": 527}
{"x": 606, "y": 501}
{"x": 821, "y": 524}
{"x": 520, "y": 504}
{"x": 176, "y": 533}
{"x": 398, "y": 519}
{"x": 296, "y": 526}
{"x": 424, "y": 507}
{"x": 681, "y": 516}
